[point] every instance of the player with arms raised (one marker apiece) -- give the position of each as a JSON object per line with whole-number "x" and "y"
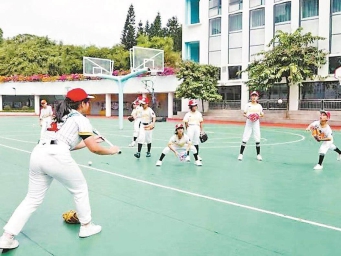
{"x": 323, "y": 133}
{"x": 252, "y": 111}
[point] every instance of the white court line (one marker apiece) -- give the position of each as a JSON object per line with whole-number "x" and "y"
{"x": 281, "y": 215}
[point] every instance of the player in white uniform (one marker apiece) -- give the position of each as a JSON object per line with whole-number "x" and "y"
{"x": 136, "y": 113}
{"x": 51, "y": 159}
{"x": 147, "y": 124}
{"x": 326, "y": 136}
{"x": 45, "y": 117}
{"x": 251, "y": 126}
{"x": 179, "y": 143}
{"x": 193, "y": 122}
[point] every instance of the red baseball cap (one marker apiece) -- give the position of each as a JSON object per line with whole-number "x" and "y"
{"x": 326, "y": 112}
{"x": 254, "y": 93}
{"x": 78, "y": 94}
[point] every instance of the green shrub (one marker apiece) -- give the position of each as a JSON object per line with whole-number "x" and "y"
{"x": 7, "y": 107}
{"x": 25, "y": 108}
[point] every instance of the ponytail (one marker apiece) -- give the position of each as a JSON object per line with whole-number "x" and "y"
{"x": 64, "y": 108}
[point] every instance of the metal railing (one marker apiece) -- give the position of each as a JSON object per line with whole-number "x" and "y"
{"x": 235, "y": 104}
{"x": 327, "y": 104}
{"x": 225, "y": 104}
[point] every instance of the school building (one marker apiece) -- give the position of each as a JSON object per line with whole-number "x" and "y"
{"x": 228, "y": 33}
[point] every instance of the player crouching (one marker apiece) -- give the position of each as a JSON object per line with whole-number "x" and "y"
{"x": 322, "y": 132}
{"x": 180, "y": 144}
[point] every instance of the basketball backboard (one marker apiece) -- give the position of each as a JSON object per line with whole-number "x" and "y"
{"x": 146, "y": 58}
{"x": 96, "y": 66}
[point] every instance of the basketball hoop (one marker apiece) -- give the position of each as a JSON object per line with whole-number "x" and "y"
{"x": 337, "y": 74}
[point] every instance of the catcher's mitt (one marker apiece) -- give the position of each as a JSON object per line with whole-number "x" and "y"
{"x": 131, "y": 118}
{"x": 203, "y": 137}
{"x": 253, "y": 117}
{"x": 71, "y": 217}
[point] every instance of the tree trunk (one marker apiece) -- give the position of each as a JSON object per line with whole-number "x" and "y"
{"x": 202, "y": 105}
{"x": 288, "y": 97}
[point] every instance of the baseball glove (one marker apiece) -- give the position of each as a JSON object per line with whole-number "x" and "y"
{"x": 149, "y": 127}
{"x": 71, "y": 217}
{"x": 253, "y": 117}
{"x": 203, "y": 137}
{"x": 131, "y": 118}
{"x": 316, "y": 133}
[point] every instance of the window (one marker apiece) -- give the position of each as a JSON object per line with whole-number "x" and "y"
{"x": 235, "y": 22}
{"x": 233, "y": 72}
{"x": 193, "y": 51}
{"x": 193, "y": 13}
{"x": 334, "y": 63}
{"x": 320, "y": 90}
{"x": 235, "y": 5}
{"x": 310, "y": 8}
{"x": 257, "y": 18}
{"x": 282, "y": 12}
{"x": 336, "y": 7}
{"x": 215, "y": 26}
{"x": 230, "y": 92}
{"x": 254, "y": 3}
{"x": 214, "y": 8}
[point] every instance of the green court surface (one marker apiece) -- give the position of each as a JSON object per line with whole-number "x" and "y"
{"x": 279, "y": 206}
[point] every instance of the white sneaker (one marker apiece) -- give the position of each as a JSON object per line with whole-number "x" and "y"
{"x": 188, "y": 159}
{"x": 199, "y": 158}
{"x": 259, "y": 158}
{"x": 89, "y": 230}
{"x": 318, "y": 167}
{"x": 338, "y": 157}
{"x": 198, "y": 163}
{"x": 8, "y": 243}
{"x": 240, "y": 157}
{"x": 132, "y": 144}
{"x": 158, "y": 163}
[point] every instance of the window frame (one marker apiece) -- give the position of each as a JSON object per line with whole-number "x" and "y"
{"x": 253, "y": 10}
{"x": 281, "y": 22}
{"x": 233, "y": 15}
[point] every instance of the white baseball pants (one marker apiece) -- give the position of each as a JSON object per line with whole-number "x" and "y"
{"x": 251, "y": 127}
{"x": 50, "y": 162}
{"x": 193, "y": 132}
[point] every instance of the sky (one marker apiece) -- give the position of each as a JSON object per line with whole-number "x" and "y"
{"x": 81, "y": 22}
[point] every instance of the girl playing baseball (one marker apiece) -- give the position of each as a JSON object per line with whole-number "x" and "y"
{"x": 147, "y": 124}
{"x": 45, "y": 117}
{"x": 252, "y": 111}
{"x": 136, "y": 114}
{"x": 193, "y": 122}
{"x": 179, "y": 144}
{"x": 51, "y": 160}
{"x": 323, "y": 133}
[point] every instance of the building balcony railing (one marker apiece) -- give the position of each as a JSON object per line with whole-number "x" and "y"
{"x": 235, "y": 104}
{"x": 224, "y": 104}
{"x": 317, "y": 104}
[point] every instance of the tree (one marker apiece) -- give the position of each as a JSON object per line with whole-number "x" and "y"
{"x": 147, "y": 28}
{"x": 156, "y": 27}
{"x": 293, "y": 57}
{"x": 128, "y": 38}
{"x": 174, "y": 30}
{"x": 140, "y": 30}
{"x": 198, "y": 82}
{"x": 1, "y": 36}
